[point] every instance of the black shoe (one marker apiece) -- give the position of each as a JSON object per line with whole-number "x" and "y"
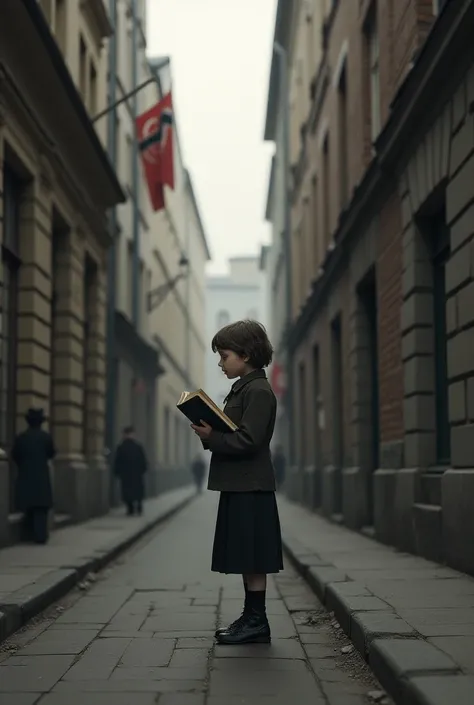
{"x": 253, "y": 629}
{"x": 234, "y": 625}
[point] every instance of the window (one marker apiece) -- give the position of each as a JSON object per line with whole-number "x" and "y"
{"x": 92, "y": 89}
{"x": 89, "y": 303}
{"x": 223, "y": 319}
{"x": 12, "y": 192}
{"x": 60, "y": 24}
{"x": 337, "y": 393}
{"x": 303, "y": 415}
{"x": 343, "y": 129}
{"x": 315, "y": 224}
{"x": 83, "y": 69}
{"x": 372, "y": 39}
{"x": 440, "y": 244}
{"x": 326, "y": 192}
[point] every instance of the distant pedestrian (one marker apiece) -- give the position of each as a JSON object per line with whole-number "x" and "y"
{"x": 279, "y": 464}
{"x": 130, "y": 466}
{"x": 247, "y": 539}
{"x": 198, "y": 469}
{"x": 32, "y": 451}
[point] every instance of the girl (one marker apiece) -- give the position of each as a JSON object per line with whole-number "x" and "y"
{"x": 247, "y": 539}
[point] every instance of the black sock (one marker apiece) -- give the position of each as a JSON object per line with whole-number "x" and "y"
{"x": 256, "y": 601}
{"x": 246, "y": 601}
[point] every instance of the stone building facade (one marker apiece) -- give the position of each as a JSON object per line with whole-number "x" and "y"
{"x": 56, "y": 186}
{"x": 382, "y": 227}
{"x": 159, "y": 350}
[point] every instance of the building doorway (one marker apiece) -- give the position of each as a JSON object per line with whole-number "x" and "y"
{"x": 369, "y": 386}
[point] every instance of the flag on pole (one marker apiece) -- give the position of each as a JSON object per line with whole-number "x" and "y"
{"x": 156, "y": 145}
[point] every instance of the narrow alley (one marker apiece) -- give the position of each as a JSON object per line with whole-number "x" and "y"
{"x": 143, "y": 634}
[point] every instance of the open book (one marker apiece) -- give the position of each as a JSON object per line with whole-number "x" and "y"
{"x": 197, "y": 405}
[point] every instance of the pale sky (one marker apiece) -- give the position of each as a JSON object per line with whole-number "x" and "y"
{"x": 221, "y": 51}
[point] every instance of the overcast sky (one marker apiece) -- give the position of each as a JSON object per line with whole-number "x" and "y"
{"x": 221, "y": 58}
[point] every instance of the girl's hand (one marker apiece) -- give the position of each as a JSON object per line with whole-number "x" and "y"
{"x": 203, "y": 431}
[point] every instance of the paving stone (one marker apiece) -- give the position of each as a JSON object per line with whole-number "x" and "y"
{"x": 291, "y": 683}
{"x": 32, "y": 674}
{"x": 198, "y": 642}
{"x": 129, "y": 673}
{"x": 442, "y": 690}
{"x": 175, "y": 622}
{"x": 148, "y": 653}
{"x": 189, "y": 658}
{"x": 185, "y": 634}
{"x": 139, "y": 685}
{"x": 327, "y": 670}
{"x": 314, "y": 637}
{"x": 99, "y": 699}
{"x": 258, "y": 664}
{"x": 278, "y": 649}
{"x": 320, "y": 651}
{"x": 319, "y": 578}
{"x": 459, "y": 648}
{"x": 20, "y": 698}
{"x": 182, "y": 699}
{"x": 367, "y": 626}
{"x": 396, "y": 660}
{"x": 99, "y": 660}
{"x": 342, "y": 694}
{"x": 303, "y": 699}
{"x": 344, "y": 605}
{"x": 60, "y": 642}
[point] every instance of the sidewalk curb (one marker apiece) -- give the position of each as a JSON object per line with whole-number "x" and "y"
{"x": 403, "y": 662}
{"x": 28, "y": 602}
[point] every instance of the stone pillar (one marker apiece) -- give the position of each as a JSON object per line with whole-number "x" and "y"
{"x": 71, "y": 481}
{"x": 95, "y": 389}
{"x": 34, "y": 301}
{"x": 458, "y": 481}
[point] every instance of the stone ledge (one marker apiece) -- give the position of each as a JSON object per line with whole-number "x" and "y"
{"x": 17, "y": 608}
{"x": 396, "y": 653}
{"x": 396, "y": 661}
{"x": 439, "y": 690}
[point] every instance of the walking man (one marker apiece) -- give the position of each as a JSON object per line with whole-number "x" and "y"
{"x": 130, "y": 466}
{"x": 33, "y": 449}
{"x": 198, "y": 469}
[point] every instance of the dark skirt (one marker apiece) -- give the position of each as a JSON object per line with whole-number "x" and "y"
{"x": 247, "y": 540}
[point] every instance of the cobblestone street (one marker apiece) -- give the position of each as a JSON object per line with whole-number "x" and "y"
{"x": 143, "y": 633}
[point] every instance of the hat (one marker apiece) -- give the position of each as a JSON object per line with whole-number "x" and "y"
{"x": 35, "y": 416}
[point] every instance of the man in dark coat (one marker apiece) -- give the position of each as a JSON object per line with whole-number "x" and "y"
{"x": 130, "y": 466}
{"x": 32, "y": 452}
{"x": 198, "y": 469}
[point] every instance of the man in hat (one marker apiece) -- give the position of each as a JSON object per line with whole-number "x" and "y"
{"x": 32, "y": 452}
{"x": 130, "y": 466}
{"x": 198, "y": 468}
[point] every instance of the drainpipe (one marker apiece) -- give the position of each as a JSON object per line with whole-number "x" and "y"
{"x": 111, "y": 296}
{"x": 285, "y": 117}
{"x": 135, "y": 174}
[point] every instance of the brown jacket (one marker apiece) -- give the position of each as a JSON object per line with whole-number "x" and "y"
{"x": 241, "y": 461}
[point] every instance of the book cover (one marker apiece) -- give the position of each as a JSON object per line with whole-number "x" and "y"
{"x": 197, "y": 405}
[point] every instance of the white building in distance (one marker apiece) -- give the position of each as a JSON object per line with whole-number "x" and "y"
{"x": 238, "y": 295}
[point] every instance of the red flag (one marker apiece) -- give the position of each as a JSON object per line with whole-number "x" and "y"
{"x": 155, "y": 140}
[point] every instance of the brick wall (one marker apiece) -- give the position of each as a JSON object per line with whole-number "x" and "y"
{"x": 389, "y": 288}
